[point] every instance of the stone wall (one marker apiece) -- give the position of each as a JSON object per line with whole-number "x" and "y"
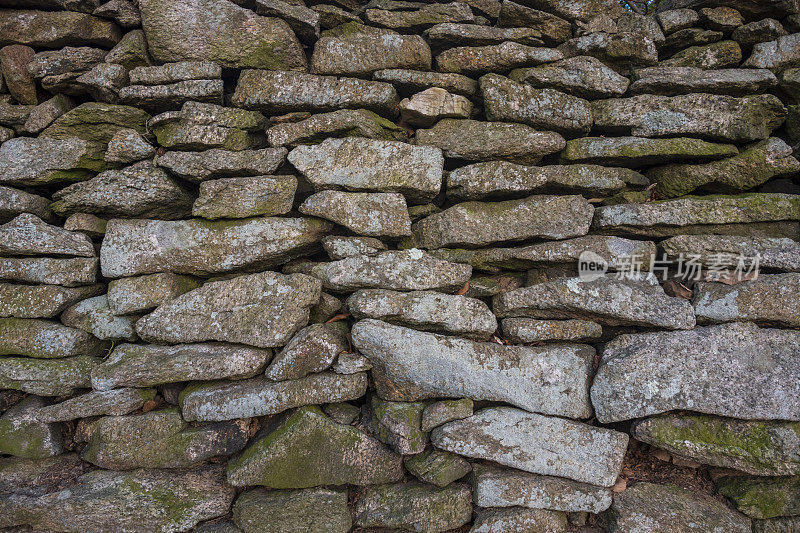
{"x": 484, "y": 266}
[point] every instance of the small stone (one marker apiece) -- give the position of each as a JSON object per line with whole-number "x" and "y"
{"x": 767, "y": 300}
{"x": 87, "y": 224}
{"x": 781, "y": 254}
{"x": 326, "y": 309}
{"x": 339, "y": 247}
{"x": 757, "y": 32}
{"x": 287, "y": 457}
{"x": 32, "y": 161}
{"x": 341, "y": 123}
{"x": 128, "y": 146}
{"x": 450, "y": 34}
{"x": 94, "y": 316}
{"x": 554, "y": 30}
{"x": 130, "y": 51}
{"x": 14, "y": 61}
{"x": 70, "y": 272}
{"x": 537, "y": 444}
{"x": 304, "y": 21}
{"x": 123, "y": 12}
{"x": 409, "y": 365}
{"x": 724, "y": 19}
{"x": 104, "y": 82}
{"x": 776, "y": 55}
{"x": 245, "y": 197}
{"x": 475, "y": 140}
{"x": 228, "y": 400}
{"x": 635, "y": 152}
{"x": 113, "y": 402}
{"x": 582, "y": 76}
{"x": 415, "y": 507}
{"x": 158, "y": 98}
{"x": 396, "y": 424}
{"x": 41, "y": 301}
{"x": 137, "y": 365}
{"x": 217, "y": 163}
{"x": 714, "y": 370}
{"x": 351, "y": 363}
{"x": 444, "y": 411}
{"x": 425, "y": 310}
{"x": 46, "y": 113}
{"x": 623, "y": 52}
{"x": 722, "y": 54}
{"x": 14, "y": 202}
{"x": 506, "y": 487}
{"x": 417, "y": 20}
{"x": 23, "y": 436}
{"x": 424, "y": 109}
{"x": 331, "y": 16}
{"x": 280, "y": 511}
{"x": 626, "y": 22}
{"x": 411, "y": 81}
{"x": 54, "y": 29}
{"x": 525, "y": 330}
{"x": 343, "y": 412}
{"x": 175, "y": 72}
{"x": 477, "y": 60}
{"x": 45, "y": 339}
{"x": 313, "y": 349}
{"x": 762, "y": 498}
{"x": 437, "y": 467}
{"x": 677, "y": 19}
{"x": 361, "y": 55}
{"x": 200, "y": 126}
{"x": 671, "y": 81}
{"x": 262, "y": 310}
{"x": 372, "y": 214}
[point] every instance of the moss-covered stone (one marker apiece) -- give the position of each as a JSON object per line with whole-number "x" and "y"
{"x": 437, "y": 467}
{"x": 47, "y": 377}
{"x": 23, "y": 436}
{"x": 293, "y": 511}
{"x": 397, "y": 424}
{"x": 768, "y": 497}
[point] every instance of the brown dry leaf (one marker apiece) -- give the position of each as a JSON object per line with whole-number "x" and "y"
{"x": 620, "y": 485}
{"x": 677, "y": 289}
{"x": 464, "y": 289}
{"x": 336, "y": 318}
{"x": 148, "y": 406}
{"x": 595, "y": 200}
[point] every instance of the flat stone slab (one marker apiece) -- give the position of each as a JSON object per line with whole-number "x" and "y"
{"x": 262, "y": 396}
{"x": 245, "y": 197}
{"x": 413, "y": 81}
{"x": 41, "y": 301}
{"x": 30, "y": 235}
{"x": 537, "y": 444}
{"x": 411, "y": 365}
{"x": 373, "y": 214}
{"x": 640, "y": 301}
{"x": 147, "y": 365}
{"x": 196, "y": 246}
{"x": 371, "y": 165}
{"x": 771, "y": 299}
{"x": 737, "y": 370}
{"x": 262, "y": 310}
{"x": 317, "y": 509}
{"x": 525, "y": 330}
{"x": 313, "y": 349}
{"x": 113, "y": 402}
{"x": 47, "y": 377}
{"x": 45, "y": 339}
{"x": 671, "y": 81}
{"x": 477, "y": 60}
{"x": 361, "y": 55}
{"x": 218, "y": 163}
{"x": 340, "y": 123}
{"x": 30, "y": 161}
{"x": 635, "y": 152}
{"x": 127, "y": 296}
{"x": 781, "y": 254}
{"x": 581, "y": 76}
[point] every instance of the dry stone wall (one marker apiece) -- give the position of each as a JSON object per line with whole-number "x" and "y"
{"x": 328, "y": 265}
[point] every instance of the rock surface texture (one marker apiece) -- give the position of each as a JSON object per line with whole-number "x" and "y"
{"x": 356, "y": 266}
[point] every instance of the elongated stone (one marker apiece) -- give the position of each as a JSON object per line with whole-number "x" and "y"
{"x": 47, "y": 377}
{"x": 762, "y": 498}
{"x": 69, "y": 272}
{"x": 581, "y": 76}
{"x": 637, "y": 152}
{"x": 128, "y": 296}
{"x": 778, "y": 55}
{"x": 537, "y": 444}
{"x": 29, "y": 235}
{"x": 361, "y": 55}
{"x": 416, "y": 20}
{"x": 506, "y": 487}
{"x": 262, "y": 396}
{"x": 453, "y": 34}
{"x": 312, "y": 350}
{"x": 340, "y": 123}
{"x": 477, "y": 60}
{"x": 371, "y": 165}
{"x": 715, "y": 370}
{"x": 14, "y": 202}
{"x": 525, "y": 330}
{"x": 425, "y": 310}
{"x": 30, "y": 161}
{"x": 437, "y": 467}
{"x": 607, "y": 299}
{"x": 157, "y": 98}
{"x": 518, "y": 519}
{"x": 113, "y": 402}
{"x": 371, "y": 214}
{"x": 671, "y": 81}
{"x": 292, "y": 455}
{"x": 768, "y": 300}
{"x": 411, "y": 365}
{"x": 245, "y": 197}
{"x": 317, "y": 509}
{"x": 54, "y": 29}
{"x": 474, "y": 224}
{"x": 623, "y": 51}
{"x": 339, "y": 247}
{"x": 134, "y": 247}
{"x": 262, "y": 310}
{"x": 781, "y": 254}
{"x": 413, "y": 81}
{"x": 219, "y": 163}
{"x": 41, "y": 301}
{"x": 45, "y": 339}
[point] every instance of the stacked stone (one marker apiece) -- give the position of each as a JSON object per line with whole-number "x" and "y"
{"x": 303, "y": 266}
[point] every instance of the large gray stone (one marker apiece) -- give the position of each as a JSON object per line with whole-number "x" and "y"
{"x": 29, "y": 235}
{"x": 412, "y": 81}
{"x": 477, "y": 60}
{"x": 133, "y": 247}
{"x": 768, "y": 300}
{"x": 581, "y": 76}
{"x": 219, "y": 163}
{"x": 31, "y": 161}
{"x": 313, "y": 349}
{"x": 41, "y": 301}
{"x": 113, "y": 402}
{"x": 47, "y": 377}
{"x": 219, "y": 31}
{"x": 537, "y": 444}
{"x": 21, "y": 435}
{"x": 777, "y": 55}
{"x": 14, "y": 202}
{"x": 410, "y": 365}
{"x": 737, "y": 370}
{"x": 372, "y": 214}
{"x": 781, "y": 254}
{"x": 44, "y": 339}
{"x": 321, "y": 510}
{"x": 262, "y": 310}
{"x": 671, "y": 81}
{"x": 634, "y": 152}
{"x": 127, "y": 296}
{"x": 371, "y": 165}
{"x": 361, "y": 55}
{"x": 54, "y": 29}
{"x": 69, "y": 272}
{"x": 245, "y": 197}
{"x": 622, "y": 51}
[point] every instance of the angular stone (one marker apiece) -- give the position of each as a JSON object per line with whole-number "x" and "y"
{"x": 475, "y": 140}
{"x": 416, "y": 20}
{"x": 753, "y": 166}
{"x": 554, "y": 29}
{"x": 525, "y": 330}
{"x": 219, "y": 31}
{"x": 200, "y": 126}
{"x": 245, "y": 197}
{"x": 341, "y": 123}
{"x": 14, "y": 202}
{"x": 157, "y": 98}
{"x": 410, "y": 365}
{"x": 582, "y": 76}
{"x": 355, "y": 164}
{"x": 371, "y": 214}
{"x": 313, "y": 349}
{"x": 262, "y": 310}
{"x": 175, "y": 72}
{"x": 41, "y": 301}
{"x": 777, "y": 55}
{"x": 46, "y": 113}
{"x": 538, "y": 444}
{"x": 361, "y": 55}
{"x": 671, "y": 81}
{"x": 279, "y": 511}
{"x": 437, "y": 467}
{"x": 69, "y": 272}
{"x": 160, "y": 439}
{"x": 128, "y": 146}
{"x": 54, "y": 29}
{"x": 411, "y": 81}
{"x": 443, "y": 411}
{"x": 396, "y": 424}
{"x": 144, "y": 293}
{"x": 622, "y": 52}
{"x": 304, "y": 21}
{"x": 677, "y": 19}
{"x": 515, "y": 519}
{"x": 712, "y": 117}
{"x": 425, "y": 310}
{"x": 351, "y": 363}
{"x": 627, "y": 22}
{"x": 450, "y": 34}
{"x": 276, "y": 93}
{"x": 702, "y": 214}
{"x": 577, "y": 9}
{"x": 113, "y": 402}
{"x": 104, "y": 82}
{"x": 724, "y": 19}
{"x": 14, "y": 60}
{"x": 777, "y": 525}
{"x": 767, "y": 300}
{"x": 45, "y": 339}
{"x": 130, "y": 51}
{"x": 401, "y": 270}
{"x": 667, "y": 506}
{"x": 34, "y": 161}
{"x": 23, "y": 436}
{"x": 308, "y": 449}
{"x": 124, "y": 12}
{"x": 339, "y": 247}
{"x": 635, "y": 152}
{"x": 217, "y": 163}
{"x": 415, "y": 507}
{"x": 57, "y": 70}
{"x": 733, "y": 354}
{"x": 477, "y": 60}
{"x": 94, "y": 316}
{"x": 475, "y": 224}
{"x": 137, "y": 191}
{"x": 505, "y": 487}
{"x": 762, "y": 498}
{"x": 133, "y": 247}
{"x": 424, "y": 109}
{"x": 689, "y": 37}
{"x": 757, "y": 32}
{"x": 781, "y": 254}
{"x": 103, "y": 500}
{"x": 55, "y": 377}
{"x": 761, "y": 448}
{"x": 501, "y": 179}
{"x": 228, "y": 400}
{"x": 507, "y": 100}
{"x": 722, "y": 54}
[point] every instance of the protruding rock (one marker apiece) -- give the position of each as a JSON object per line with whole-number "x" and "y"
{"x": 410, "y": 365}
{"x": 128, "y": 296}
{"x": 199, "y": 126}
{"x": 128, "y": 146}
{"x": 54, "y": 377}
{"x": 713, "y": 370}
{"x": 94, "y": 316}
{"x": 245, "y": 197}
{"x": 554, "y": 30}
{"x": 318, "y": 509}
{"x": 396, "y": 424}
{"x": 421, "y": 16}
{"x": 361, "y": 55}
{"x": 31, "y": 161}
{"x": 29, "y": 235}
{"x": 581, "y": 76}
{"x": 14, "y": 202}
{"x": 156, "y": 98}
{"x": 68, "y": 272}
{"x": 577, "y": 9}
{"x": 640, "y": 151}
{"x": 372, "y": 214}
{"x": 437, "y": 467}
{"x": 54, "y": 29}
{"x": 674, "y": 20}
{"x": 313, "y": 349}
{"x": 526, "y": 330}
{"x": 41, "y": 301}
{"x": 777, "y": 55}
{"x": 413, "y": 81}
{"x": 623, "y": 51}
{"x": 450, "y": 34}
{"x": 722, "y": 54}
{"x": 424, "y": 109}
{"x": 445, "y": 411}
{"x": 14, "y": 61}
{"x": 671, "y": 81}
{"x": 44, "y": 339}
{"x": 781, "y": 254}
{"x": 477, "y": 60}
{"x": 22, "y": 435}
{"x": 113, "y": 402}
{"x": 759, "y": 32}
{"x": 537, "y": 444}
{"x": 341, "y": 123}
{"x": 769, "y": 299}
